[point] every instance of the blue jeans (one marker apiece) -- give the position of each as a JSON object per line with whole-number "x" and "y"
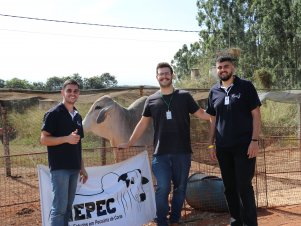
{"x": 64, "y": 184}
{"x": 170, "y": 168}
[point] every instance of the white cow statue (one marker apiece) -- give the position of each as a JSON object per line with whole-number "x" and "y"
{"x": 108, "y": 119}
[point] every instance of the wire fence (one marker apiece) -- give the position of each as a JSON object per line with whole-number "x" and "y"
{"x": 276, "y": 183}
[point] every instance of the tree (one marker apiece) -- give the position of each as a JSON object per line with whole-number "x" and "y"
{"x": 77, "y": 78}
{"x": 2, "y": 83}
{"x": 38, "y": 86}
{"x": 99, "y": 82}
{"x": 279, "y": 44}
{"x": 268, "y": 32}
{"x": 186, "y": 59}
{"x": 108, "y": 80}
{"x": 54, "y": 83}
{"x": 18, "y": 84}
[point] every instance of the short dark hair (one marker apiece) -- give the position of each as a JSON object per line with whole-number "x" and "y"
{"x": 70, "y": 82}
{"x": 223, "y": 58}
{"x": 162, "y": 65}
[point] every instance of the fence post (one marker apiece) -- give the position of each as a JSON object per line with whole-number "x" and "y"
{"x": 5, "y": 141}
{"x": 299, "y": 133}
{"x": 103, "y": 151}
{"x": 141, "y": 91}
{"x": 299, "y": 127}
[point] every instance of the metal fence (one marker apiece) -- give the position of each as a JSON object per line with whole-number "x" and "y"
{"x": 277, "y": 181}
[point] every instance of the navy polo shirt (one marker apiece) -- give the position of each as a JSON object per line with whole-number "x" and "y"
{"x": 58, "y": 122}
{"x": 234, "y": 121}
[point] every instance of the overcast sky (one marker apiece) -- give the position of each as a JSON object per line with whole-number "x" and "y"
{"x": 36, "y": 50}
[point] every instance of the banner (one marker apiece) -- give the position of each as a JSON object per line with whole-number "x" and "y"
{"x": 114, "y": 195}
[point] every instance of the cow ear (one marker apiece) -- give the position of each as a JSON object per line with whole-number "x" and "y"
{"x": 122, "y": 177}
{"x": 144, "y": 180}
{"x": 102, "y": 114}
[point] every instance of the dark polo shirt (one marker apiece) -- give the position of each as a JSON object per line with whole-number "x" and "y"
{"x": 58, "y": 122}
{"x": 172, "y": 136}
{"x": 234, "y": 122}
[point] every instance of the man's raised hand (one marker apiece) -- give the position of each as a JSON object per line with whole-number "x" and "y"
{"x": 73, "y": 138}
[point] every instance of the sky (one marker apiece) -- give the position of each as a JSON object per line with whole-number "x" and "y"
{"x": 35, "y": 50}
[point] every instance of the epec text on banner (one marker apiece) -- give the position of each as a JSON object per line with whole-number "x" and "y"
{"x": 114, "y": 195}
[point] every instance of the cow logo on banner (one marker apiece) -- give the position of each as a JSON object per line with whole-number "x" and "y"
{"x": 118, "y": 194}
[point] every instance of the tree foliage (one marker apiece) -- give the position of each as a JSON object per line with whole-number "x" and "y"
{"x": 18, "y": 84}
{"x": 2, "y": 83}
{"x": 98, "y": 82}
{"x": 186, "y": 59}
{"x": 38, "y": 86}
{"x": 268, "y": 32}
{"x": 54, "y": 83}
{"x": 77, "y": 78}
{"x": 105, "y": 80}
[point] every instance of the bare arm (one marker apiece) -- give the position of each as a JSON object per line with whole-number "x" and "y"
{"x": 212, "y": 137}
{"x": 256, "y": 122}
{"x": 201, "y": 113}
{"x": 254, "y": 145}
{"x": 138, "y": 131}
{"x": 83, "y": 173}
{"x": 49, "y": 140}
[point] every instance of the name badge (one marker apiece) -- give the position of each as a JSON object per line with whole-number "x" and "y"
{"x": 168, "y": 115}
{"x": 227, "y": 100}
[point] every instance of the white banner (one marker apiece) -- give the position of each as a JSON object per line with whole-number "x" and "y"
{"x": 114, "y": 195}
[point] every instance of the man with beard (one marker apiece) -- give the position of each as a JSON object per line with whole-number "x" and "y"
{"x": 233, "y": 106}
{"x": 170, "y": 110}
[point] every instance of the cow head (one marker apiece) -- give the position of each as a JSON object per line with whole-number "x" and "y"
{"x": 97, "y": 118}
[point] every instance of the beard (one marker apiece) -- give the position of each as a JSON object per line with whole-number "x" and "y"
{"x": 225, "y": 77}
{"x": 165, "y": 84}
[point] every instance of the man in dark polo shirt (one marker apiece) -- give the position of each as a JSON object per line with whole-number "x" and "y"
{"x": 62, "y": 132}
{"x": 233, "y": 104}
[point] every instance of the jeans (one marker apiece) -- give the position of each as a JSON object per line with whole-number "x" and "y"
{"x": 64, "y": 184}
{"x": 170, "y": 168}
{"x": 237, "y": 172}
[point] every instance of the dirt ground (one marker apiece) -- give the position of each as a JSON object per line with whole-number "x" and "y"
{"x": 280, "y": 216}
{"x": 289, "y": 216}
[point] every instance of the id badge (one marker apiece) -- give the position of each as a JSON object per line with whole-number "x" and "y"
{"x": 227, "y": 100}
{"x": 168, "y": 115}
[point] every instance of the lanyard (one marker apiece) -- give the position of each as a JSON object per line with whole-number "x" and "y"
{"x": 167, "y": 104}
{"x": 227, "y": 90}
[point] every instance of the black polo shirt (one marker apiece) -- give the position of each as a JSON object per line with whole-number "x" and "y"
{"x": 58, "y": 122}
{"x": 234, "y": 121}
{"x": 172, "y": 136}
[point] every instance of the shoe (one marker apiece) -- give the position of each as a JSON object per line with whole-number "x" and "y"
{"x": 174, "y": 224}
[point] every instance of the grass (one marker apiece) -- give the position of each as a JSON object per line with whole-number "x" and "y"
{"x": 282, "y": 118}
{"x": 28, "y": 125}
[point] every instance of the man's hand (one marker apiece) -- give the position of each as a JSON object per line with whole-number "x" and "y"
{"x": 212, "y": 153}
{"x": 73, "y": 138}
{"x": 123, "y": 146}
{"x": 253, "y": 149}
{"x": 83, "y": 175}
